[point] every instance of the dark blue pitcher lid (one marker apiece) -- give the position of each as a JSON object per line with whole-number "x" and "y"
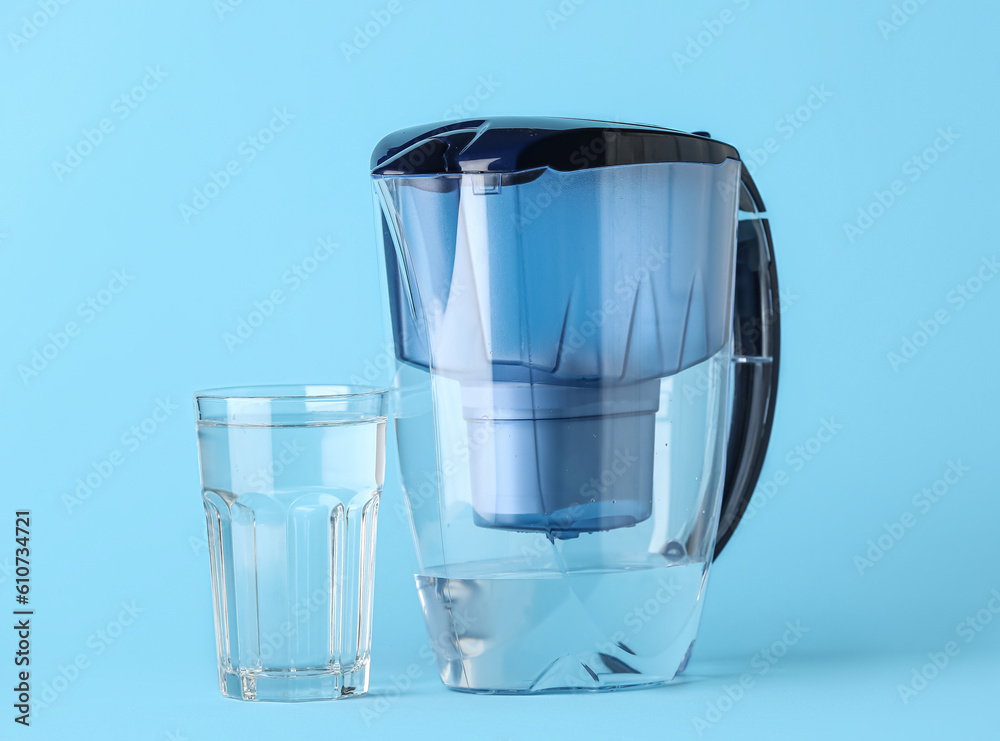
{"x": 518, "y": 143}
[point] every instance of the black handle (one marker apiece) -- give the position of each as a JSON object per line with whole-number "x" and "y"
{"x": 756, "y": 350}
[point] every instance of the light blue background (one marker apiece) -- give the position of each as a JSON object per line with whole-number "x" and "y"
{"x": 138, "y": 538}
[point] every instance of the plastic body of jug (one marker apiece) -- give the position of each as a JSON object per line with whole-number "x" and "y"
{"x": 585, "y": 320}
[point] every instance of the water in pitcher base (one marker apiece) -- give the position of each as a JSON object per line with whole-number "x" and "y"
{"x": 562, "y": 631}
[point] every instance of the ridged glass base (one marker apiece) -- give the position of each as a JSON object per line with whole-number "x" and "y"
{"x": 294, "y": 687}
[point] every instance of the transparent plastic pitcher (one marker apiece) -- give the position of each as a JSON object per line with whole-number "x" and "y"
{"x": 586, "y": 322}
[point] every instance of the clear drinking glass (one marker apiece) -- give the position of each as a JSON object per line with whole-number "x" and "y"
{"x": 291, "y": 477}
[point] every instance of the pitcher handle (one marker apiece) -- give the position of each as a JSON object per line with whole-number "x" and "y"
{"x": 756, "y": 351}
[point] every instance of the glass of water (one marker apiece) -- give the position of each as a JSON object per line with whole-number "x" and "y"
{"x": 290, "y": 478}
